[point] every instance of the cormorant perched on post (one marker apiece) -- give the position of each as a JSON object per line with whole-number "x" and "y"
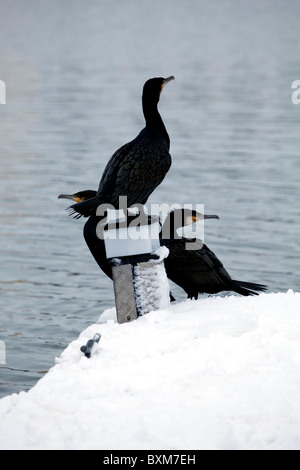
{"x": 139, "y": 166}
{"x": 196, "y": 271}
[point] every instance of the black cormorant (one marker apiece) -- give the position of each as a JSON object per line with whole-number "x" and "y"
{"x": 139, "y": 166}
{"x": 197, "y": 270}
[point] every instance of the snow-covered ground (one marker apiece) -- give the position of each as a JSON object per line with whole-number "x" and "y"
{"x": 217, "y": 373}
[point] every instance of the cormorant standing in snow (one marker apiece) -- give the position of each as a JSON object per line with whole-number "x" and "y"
{"x": 197, "y": 270}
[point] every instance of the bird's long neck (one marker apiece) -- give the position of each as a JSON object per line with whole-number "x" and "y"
{"x": 153, "y": 118}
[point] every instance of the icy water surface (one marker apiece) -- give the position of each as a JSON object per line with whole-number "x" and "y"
{"x": 74, "y": 74}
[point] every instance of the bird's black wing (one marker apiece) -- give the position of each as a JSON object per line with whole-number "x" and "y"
{"x": 209, "y": 269}
{"x": 199, "y": 267}
{"x": 108, "y": 179}
{"x": 106, "y": 187}
{"x": 200, "y": 270}
{"x": 134, "y": 170}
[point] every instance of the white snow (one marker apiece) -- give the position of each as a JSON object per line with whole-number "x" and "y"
{"x": 217, "y": 373}
{"x": 151, "y": 285}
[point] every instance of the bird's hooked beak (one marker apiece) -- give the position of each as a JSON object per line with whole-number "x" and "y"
{"x": 73, "y": 197}
{"x": 210, "y": 216}
{"x": 167, "y": 80}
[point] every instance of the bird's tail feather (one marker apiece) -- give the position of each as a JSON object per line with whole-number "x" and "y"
{"x": 248, "y": 288}
{"x": 85, "y": 208}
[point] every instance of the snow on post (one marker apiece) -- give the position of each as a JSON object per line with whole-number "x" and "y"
{"x": 140, "y": 281}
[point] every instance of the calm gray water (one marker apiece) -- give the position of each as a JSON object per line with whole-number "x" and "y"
{"x": 74, "y": 73}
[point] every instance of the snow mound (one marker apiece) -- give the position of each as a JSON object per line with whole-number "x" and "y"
{"x": 216, "y": 373}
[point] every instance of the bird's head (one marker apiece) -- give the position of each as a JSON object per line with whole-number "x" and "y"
{"x": 154, "y": 86}
{"x": 179, "y": 218}
{"x": 80, "y": 196}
